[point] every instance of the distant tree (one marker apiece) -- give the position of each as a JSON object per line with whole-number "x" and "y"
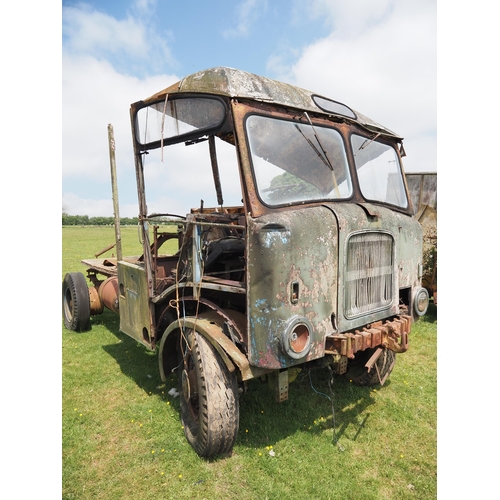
{"x": 287, "y": 186}
{"x": 85, "y": 220}
{"x": 129, "y": 221}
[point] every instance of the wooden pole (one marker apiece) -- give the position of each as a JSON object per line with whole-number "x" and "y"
{"x": 114, "y": 186}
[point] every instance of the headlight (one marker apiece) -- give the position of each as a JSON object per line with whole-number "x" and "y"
{"x": 296, "y": 339}
{"x": 421, "y": 302}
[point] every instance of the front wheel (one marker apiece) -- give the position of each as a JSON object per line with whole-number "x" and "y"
{"x": 208, "y": 397}
{"x": 76, "y": 302}
{"x": 359, "y": 374}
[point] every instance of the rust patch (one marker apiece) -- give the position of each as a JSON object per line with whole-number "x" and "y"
{"x": 392, "y": 334}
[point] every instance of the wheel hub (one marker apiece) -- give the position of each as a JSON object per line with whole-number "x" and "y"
{"x": 185, "y": 385}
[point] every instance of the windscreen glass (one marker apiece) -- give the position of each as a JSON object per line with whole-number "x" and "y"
{"x": 379, "y": 172}
{"x": 173, "y": 119}
{"x": 295, "y": 162}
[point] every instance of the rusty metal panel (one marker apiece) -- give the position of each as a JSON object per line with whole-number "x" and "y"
{"x": 134, "y": 302}
{"x": 392, "y": 334}
{"x": 292, "y": 273}
{"x": 423, "y": 189}
{"x": 410, "y": 251}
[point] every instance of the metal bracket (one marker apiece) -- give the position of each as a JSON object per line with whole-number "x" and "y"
{"x": 373, "y": 361}
{"x": 278, "y": 381}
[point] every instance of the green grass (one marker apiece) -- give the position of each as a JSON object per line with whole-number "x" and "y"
{"x": 122, "y": 437}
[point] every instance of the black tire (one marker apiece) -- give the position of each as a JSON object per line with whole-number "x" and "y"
{"x": 76, "y": 302}
{"x": 208, "y": 398}
{"x": 358, "y": 373}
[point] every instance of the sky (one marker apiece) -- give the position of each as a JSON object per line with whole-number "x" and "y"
{"x": 378, "y": 57}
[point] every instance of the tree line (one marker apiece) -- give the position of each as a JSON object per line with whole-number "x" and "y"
{"x": 85, "y": 220}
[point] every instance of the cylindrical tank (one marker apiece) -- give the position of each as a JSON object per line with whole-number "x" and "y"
{"x": 96, "y": 306}
{"x": 108, "y": 293}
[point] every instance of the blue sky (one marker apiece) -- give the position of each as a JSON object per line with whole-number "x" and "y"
{"x": 378, "y": 57}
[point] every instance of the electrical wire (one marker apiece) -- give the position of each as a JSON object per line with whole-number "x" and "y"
{"x": 330, "y": 381}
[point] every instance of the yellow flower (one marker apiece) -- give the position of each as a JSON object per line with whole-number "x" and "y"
{"x": 180, "y": 476}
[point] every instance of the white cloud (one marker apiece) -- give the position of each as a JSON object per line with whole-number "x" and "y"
{"x": 248, "y": 13}
{"x": 185, "y": 177}
{"x": 90, "y": 31}
{"x": 387, "y": 71}
{"x": 346, "y": 19}
{"x": 95, "y": 94}
{"x": 132, "y": 43}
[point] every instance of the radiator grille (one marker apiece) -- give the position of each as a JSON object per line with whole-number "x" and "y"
{"x": 369, "y": 273}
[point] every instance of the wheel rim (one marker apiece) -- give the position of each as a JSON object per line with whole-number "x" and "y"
{"x": 189, "y": 385}
{"x": 68, "y": 304}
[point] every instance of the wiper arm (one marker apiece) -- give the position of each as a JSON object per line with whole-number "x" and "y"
{"x": 315, "y": 149}
{"x": 325, "y": 158}
{"x": 366, "y": 143}
{"x": 322, "y": 154}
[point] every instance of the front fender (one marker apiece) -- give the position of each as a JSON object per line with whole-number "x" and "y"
{"x": 210, "y": 325}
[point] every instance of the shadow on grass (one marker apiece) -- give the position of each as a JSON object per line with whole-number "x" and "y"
{"x": 312, "y": 407}
{"x": 136, "y": 361}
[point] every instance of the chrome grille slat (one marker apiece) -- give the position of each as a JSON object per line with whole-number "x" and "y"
{"x": 369, "y": 273}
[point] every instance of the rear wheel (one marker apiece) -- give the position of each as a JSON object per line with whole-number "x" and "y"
{"x": 76, "y": 302}
{"x": 208, "y": 397}
{"x": 359, "y": 374}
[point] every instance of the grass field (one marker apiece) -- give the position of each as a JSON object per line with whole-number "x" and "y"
{"x": 122, "y": 437}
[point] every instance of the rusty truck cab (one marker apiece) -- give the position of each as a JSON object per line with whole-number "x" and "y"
{"x": 319, "y": 264}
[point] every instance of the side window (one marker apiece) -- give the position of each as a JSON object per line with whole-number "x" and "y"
{"x": 379, "y": 173}
{"x": 179, "y": 176}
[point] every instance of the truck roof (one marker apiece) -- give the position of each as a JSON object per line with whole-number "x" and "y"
{"x": 235, "y": 83}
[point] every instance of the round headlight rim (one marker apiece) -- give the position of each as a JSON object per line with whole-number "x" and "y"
{"x": 417, "y": 301}
{"x": 286, "y": 338}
